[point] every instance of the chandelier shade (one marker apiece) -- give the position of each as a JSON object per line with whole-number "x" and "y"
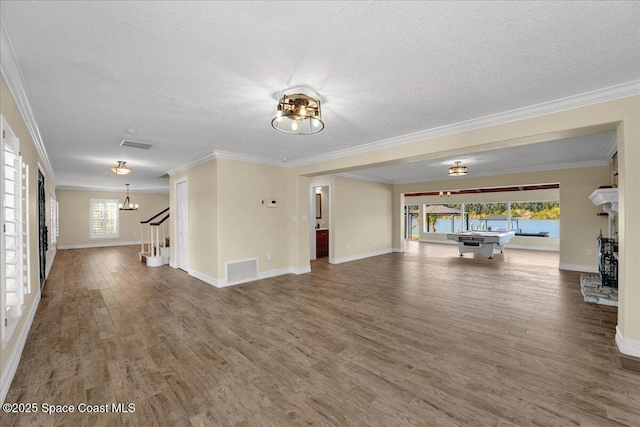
{"x": 121, "y": 169}
{"x": 127, "y": 205}
{"x": 457, "y": 170}
{"x": 298, "y": 114}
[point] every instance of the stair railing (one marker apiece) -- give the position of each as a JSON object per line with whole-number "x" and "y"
{"x": 153, "y": 243}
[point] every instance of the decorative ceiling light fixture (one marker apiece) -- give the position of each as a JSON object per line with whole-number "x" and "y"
{"x": 442, "y": 194}
{"x": 127, "y": 205}
{"x": 457, "y": 170}
{"x": 121, "y": 169}
{"x": 298, "y": 114}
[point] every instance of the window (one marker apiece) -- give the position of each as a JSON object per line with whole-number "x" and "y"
{"x": 14, "y": 245}
{"x": 536, "y": 219}
{"x": 442, "y": 218}
{"x": 104, "y": 219}
{"x": 54, "y": 219}
{"x": 487, "y": 216}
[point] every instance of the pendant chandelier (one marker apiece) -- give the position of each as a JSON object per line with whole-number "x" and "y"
{"x": 457, "y": 170}
{"x": 298, "y": 114}
{"x": 127, "y": 205}
{"x": 121, "y": 169}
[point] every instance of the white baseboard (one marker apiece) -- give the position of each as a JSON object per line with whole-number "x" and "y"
{"x": 627, "y": 345}
{"x": 98, "y": 245}
{"x": 173, "y": 264}
{"x": 14, "y": 358}
{"x": 201, "y": 276}
{"x": 50, "y": 262}
{"x": 398, "y": 249}
{"x": 223, "y": 283}
{"x": 360, "y": 256}
{"x": 301, "y": 270}
{"x": 578, "y": 267}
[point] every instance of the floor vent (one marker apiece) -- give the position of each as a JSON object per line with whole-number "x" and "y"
{"x": 136, "y": 144}
{"x": 239, "y": 271}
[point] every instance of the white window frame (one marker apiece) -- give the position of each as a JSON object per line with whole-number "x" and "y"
{"x": 54, "y": 219}
{"x": 15, "y": 257}
{"x": 115, "y": 235}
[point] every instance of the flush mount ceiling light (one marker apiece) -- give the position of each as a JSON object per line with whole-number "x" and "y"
{"x": 457, "y": 170}
{"x": 298, "y": 114}
{"x": 121, "y": 169}
{"x": 127, "y": 205}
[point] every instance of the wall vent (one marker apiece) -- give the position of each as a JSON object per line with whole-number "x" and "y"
{"x": 136, "y": 144}
{"x": 239, "y": 271}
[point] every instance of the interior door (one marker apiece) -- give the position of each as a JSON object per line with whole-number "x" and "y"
{"x": 42, "y": 228}
{"x": 182, "y": 222}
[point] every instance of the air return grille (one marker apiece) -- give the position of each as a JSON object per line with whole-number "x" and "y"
{"x": 240, "y": 271}
{"x": 136, "y": 144}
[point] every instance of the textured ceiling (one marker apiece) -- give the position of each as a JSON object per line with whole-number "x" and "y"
{"x": 590, "y": 150}
{"x": 193, "y": 77}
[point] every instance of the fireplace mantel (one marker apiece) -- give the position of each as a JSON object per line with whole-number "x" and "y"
{"x": 607, "y": 197}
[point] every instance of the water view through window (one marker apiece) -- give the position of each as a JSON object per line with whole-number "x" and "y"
{"x": 535, "y": 219}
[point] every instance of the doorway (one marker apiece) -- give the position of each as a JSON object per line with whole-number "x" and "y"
{"x": 182, "y": 225}
{"x": 320, "y": 221}
{"x": 42, "y": 228}
{"x": 411, "y": 222}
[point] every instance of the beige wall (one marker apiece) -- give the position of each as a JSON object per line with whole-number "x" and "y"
{"x": 362, "y": 218}
{"x": 203, "y": 217}
{"x": 227, "y": 221}
{"x": 74, "y": 216}
{"x": 248, "y": 229}
{"x": 30, "y": 156}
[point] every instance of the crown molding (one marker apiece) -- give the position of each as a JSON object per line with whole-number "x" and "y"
{"x": 113, "y": 189}
{"x": 612, "y": 149}
{"x": 571, "y": 102}
{"x": 219, "y": 154}
{"x": 541, "y": 168}
{"x": 13, "y": 77}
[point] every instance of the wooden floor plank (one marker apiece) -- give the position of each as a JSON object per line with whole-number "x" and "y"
{"x": 423, "y": 337}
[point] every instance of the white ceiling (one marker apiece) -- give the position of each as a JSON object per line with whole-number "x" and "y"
{"x": 193, "y": 77}
{"x": 590, "y": 150}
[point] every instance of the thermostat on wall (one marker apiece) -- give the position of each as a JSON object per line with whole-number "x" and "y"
{"x": 272, "y": 203}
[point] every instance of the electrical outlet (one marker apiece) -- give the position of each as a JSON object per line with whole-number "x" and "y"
{"x": 294, "y": 218}
{"x": 589, "y": 252}
{"x": 346, "y": 245}
{"x": 370, "y": 243}
{"x": 269, "y": 256}
{"x": 303, "y": 218}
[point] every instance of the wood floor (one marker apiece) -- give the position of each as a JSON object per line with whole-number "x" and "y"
{"x": 420, "y": 338}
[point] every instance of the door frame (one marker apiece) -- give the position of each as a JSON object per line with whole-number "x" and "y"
{"x": 312, "y": 218}
{"x": 176, "y": 262}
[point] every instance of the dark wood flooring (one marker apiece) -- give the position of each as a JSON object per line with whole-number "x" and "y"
{"x": 420, "y": 338}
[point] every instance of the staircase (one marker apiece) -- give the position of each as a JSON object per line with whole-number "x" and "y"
{"x": 154, "y": 249}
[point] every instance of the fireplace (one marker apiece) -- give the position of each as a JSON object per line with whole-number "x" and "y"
{"x": 607, "y": 262}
